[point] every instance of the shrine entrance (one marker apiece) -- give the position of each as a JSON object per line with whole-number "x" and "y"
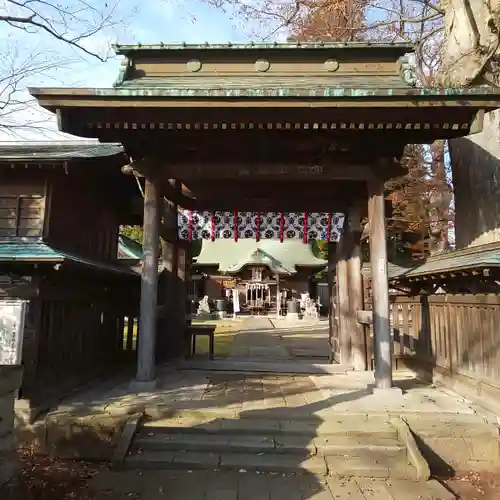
{"x": 228, "y": 132}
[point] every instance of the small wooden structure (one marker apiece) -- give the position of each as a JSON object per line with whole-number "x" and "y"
{"x": 60, "y": 210}
{"x": 195, "y": 331}
{"x": 271, "y": 127}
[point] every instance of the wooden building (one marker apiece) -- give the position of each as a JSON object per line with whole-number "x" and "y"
{"x": 271, "y": 128}
{"x": 258, "y": 270}
{"x": 64, "y": 296}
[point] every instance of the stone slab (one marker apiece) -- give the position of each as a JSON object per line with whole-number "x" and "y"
{"x": 357, "y": 467}
{"x": 406, "y": 490}
{"x": 341, "y": 488}
{"x": 391, "y": 394}
{"x": 125, "y": 441}
{"x": 272, "y": 462}
{"x": 344, "y": 445}
{"x": 224, "y": 485}
{"x": 186, "y": 442}
{"x": 243, "y": 366}
{"x": 143, "y": 386}
{"x": 255, "y": 444}
{"x": 149, "y": 460}
{"x": 295, "y": 444}
{"x": 196, "y": 460}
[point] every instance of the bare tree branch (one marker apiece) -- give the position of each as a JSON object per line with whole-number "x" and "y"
{"x": 72, "y": 23}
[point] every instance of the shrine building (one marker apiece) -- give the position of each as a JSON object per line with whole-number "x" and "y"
{"x": 235, "y": 135}
{"x": 261, "y": 272}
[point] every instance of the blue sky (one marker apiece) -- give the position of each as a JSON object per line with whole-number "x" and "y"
{"x": 144, "y": 21}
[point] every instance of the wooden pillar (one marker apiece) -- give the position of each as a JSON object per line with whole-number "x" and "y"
{"x": 278, "y": 297}
{"x": 174, "y": 324}
{"x": 344, "y": 333}
{"x": 356, "y": 329}
{"x": 149, "y": 286}
{"x": 332, "y": 301}
{"x": 380, "y": 285}
{"x": 174, "y": 285}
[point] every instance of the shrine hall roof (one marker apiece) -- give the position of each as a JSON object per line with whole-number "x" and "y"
{"x": 231, "y": 257}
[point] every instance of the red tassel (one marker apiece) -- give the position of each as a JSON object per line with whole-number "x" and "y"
{"x": 190, "y": 225}
{"x": 305, "y": 227}
{"x": 257, "y": 232}
{"x": 282, "y": 224}
{"x": 236, "y": 226}
{"x": 213, "y": 227}
{"x": 329, "y": 230}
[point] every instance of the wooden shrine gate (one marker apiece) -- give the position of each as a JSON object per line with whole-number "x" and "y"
{"x": 270, "y": 128}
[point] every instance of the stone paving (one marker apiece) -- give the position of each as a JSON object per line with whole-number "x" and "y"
{"x": 218, "y": 485}
{"x": 232, "y": 394}
{"x": 263, "y": 339}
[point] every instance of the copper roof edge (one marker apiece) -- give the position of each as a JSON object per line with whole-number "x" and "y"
{"x": 319, "y": 45}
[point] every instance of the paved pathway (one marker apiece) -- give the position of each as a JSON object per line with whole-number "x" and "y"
{"x": 260, "y": 340}
{"x": 233, "y": 393}
{"x": 217, "y": 485}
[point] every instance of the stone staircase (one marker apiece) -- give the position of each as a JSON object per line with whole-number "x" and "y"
{"x": 351, "y": 446}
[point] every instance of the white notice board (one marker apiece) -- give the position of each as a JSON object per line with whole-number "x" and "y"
{"x": 12, "y": 316}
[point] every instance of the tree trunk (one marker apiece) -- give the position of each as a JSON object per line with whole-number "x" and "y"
{"x": 471, "y": 57}
{"x": 475, "y": 164}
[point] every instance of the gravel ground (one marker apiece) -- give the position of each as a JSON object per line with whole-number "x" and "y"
{"x": 48, "y": 479}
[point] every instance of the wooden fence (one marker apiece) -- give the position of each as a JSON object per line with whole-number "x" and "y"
{"x": 76, "y": 328}
{"x": 456, "y": 337}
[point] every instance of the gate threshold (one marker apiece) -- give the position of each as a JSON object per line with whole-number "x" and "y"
{"x": 271, "y": 366}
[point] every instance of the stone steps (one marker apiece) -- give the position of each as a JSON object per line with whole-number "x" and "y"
{"x": 280, "y": 444}
{"x": 348, "y": 447}
{"x": 351, "y": 426}
{"x": 380, "y": 467}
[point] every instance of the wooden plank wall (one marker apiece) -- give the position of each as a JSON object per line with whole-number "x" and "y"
{"x": 76, "y": 330}
{"x": 456, "y": 337}
{"x": 81, "y": 219}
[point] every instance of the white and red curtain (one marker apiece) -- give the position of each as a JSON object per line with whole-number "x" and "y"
{"x": 307, "y": 226}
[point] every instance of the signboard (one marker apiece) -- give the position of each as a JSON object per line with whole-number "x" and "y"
{"x": 12, "y": 315}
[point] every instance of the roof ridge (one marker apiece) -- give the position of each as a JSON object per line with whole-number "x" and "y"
{"x": 122, "y": 49}
{"x": 487, "y": 247}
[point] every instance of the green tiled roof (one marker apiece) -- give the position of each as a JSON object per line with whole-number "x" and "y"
{"x": 393, "y": 270}
{"x": 129, "y": 249}
{"x": 53, "y": 150}
{"x": 483, "y": 256}
{"x": 26, "y": 250}
{"x": 232, "y": 256}
{"x": 251, "y": 85}
{"x": 33, "y": 251}
{"x": 151, "y": 90}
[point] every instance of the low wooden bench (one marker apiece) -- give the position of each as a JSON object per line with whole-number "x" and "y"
{"x": 194, "y": 331}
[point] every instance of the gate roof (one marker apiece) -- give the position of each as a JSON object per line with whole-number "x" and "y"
{"x": 337, "y": 86}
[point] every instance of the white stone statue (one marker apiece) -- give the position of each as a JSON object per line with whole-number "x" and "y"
{"x": 203, "y": 307}
{"x": 309, "y": 307}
